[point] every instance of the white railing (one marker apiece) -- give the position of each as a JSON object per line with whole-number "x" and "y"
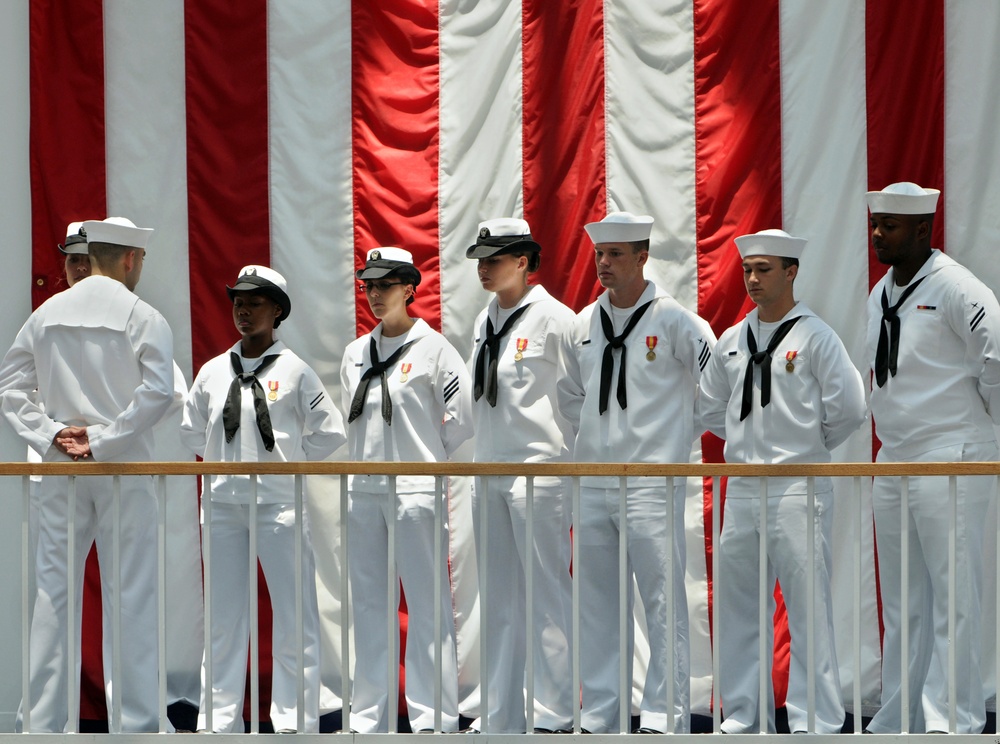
{"x": 857, "y": 472}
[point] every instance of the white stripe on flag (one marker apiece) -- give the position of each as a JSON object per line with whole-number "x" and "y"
{"x": 480, "y": 165}
{"x": 824, "y": 179}
{"x": 649, "y": 95}
{"x": 971, "y": 195}
{"x": 146, "y": 146}
{"x": 309, "y": 139}
{"x": 312, "y": 228}
{"x": 146, "y": 182}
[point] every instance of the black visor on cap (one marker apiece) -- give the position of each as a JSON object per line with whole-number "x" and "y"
{"x": 498, "y": 245}
{"x": 72, "y": 240}
{"x": 383, "y": 267}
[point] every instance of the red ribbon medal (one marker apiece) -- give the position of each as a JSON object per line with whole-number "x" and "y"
{"x": 522, "y": 344}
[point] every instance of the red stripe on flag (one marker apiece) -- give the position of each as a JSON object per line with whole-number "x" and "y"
{"x": 565, "y": 183}
{"x": 737, "y": 145}
{"x": 228, "y": 190}
{"x": 905, "y": 100}
{"x": 67, "y": 151}
{"x": 395, "y": 101}
{"x": 68, "y": 183}
{"x": 227, "y": 166}
{"x": 737, "y": 178}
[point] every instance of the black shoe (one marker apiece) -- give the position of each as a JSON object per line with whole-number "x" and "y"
{"x": 646, "y": 730}
{"x": 470, "y": 730}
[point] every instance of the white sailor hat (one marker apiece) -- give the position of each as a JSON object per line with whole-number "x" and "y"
{"x": 266, "y": 281}
{"x": 620, "y": 227}
{"x": 502, "y": 235}
{"x": 75, "y": 242}
{"x": 382, "y": 262}
{"x": 118, "y": 231}
{"x": 771, "y": 243}
{"x": 903, "y": 198}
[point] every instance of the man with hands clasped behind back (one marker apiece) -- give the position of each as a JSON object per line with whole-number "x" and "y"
{"x": 101, "y": 361}
{"x": 630, "y": 369}
{"x": 780, "y": 389}
{"x": 934, "y": 348}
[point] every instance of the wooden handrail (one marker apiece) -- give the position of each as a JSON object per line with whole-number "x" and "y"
{"x": 680, "y": 470}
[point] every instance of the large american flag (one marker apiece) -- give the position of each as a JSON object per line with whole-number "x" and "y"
{"x": 300, "y": 133}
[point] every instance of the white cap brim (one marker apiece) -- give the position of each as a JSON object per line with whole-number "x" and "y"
{"x": 620, "y": 227}
{"x": 903, "y": 198}
{"x": 104, "y": 231}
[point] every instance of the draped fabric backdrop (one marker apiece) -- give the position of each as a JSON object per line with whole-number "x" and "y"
{"x": 300, "y": 133}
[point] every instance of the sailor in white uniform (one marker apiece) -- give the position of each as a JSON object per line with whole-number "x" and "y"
{"x": 518, "y": 343}
{"x": 259, "y": 402}
{"x": 89, "y": 375}
{"x": 780, "y": 389}
{"x": 408, "y": 393}
{"x": 632, "y": 364}
{"x": 934, "y": 346}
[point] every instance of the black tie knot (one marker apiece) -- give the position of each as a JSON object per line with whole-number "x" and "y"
{"x": 890, "y": 313}
{"x": 617, "y": 342}
{"x": 378, "y": 368}
{"x": 760, "y": 357}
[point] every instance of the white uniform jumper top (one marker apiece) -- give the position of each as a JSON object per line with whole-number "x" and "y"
{"x": 304, "y": 419}
{"x": 431, "y": 407}
{"x": 817, "y": 398}
{"x": 948, "y": 364}
{"x": 526, "y": 425}
{"x": 667, "y": 350}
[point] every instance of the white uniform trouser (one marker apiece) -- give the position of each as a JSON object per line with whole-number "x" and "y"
{"x": 927, "y": 570}
{"x": 503, "y": 592}
{"x": 738, "y": 595}
{"x": 94, "y": 519}
{"x": 649, "y": 559}
{"x": 368, "y": 565}
{"x": 231, "y": 576}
